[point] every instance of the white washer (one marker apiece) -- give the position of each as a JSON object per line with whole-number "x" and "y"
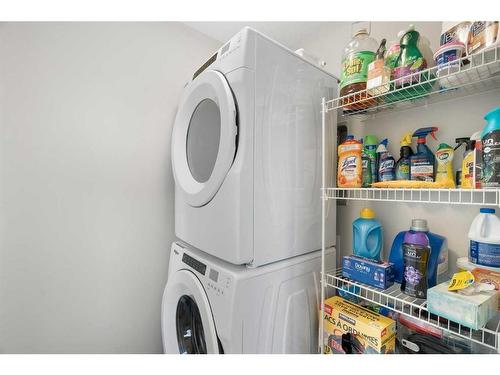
{"x": 246, "y": 154}
{"x": 211, "y": 306}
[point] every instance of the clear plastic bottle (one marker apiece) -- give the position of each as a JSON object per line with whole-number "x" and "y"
{"x": 358, "y": 54}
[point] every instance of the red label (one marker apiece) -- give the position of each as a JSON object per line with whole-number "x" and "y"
{"x": 328, "y": 310}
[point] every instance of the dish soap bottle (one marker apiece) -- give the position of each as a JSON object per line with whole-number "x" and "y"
{"x": 403, "y": 164}
{"x": 422, "y": 163}
{"x": 379, "y": 74}
{"x": 358, "y": 54}
{"x": 349, "y": 169}
{"x": 444, "y": 173}
{"x": 490, "y": 139}
{"x": 409, "y": 62}
{"x": 367, "y": 235}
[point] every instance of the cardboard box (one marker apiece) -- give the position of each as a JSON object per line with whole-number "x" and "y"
{"x": 470, "y": 311}
{"x": 349, "y": 328}
{"x": 368, "y": 271}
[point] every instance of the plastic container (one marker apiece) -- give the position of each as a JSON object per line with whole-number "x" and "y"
{"x": 490, "y": 139}
{"x": 403, "y": 164}
{"x": 444, "y": 169}
{"x": 350, "y": 163}
{"x": 447, "y": 58}
{"x": 422, "y": 162}
{"x": 484, "y": 239}
{"x": 370, "y": 143}
{"x": 357, "y": 55}
{"x": 367, "y": 235}
{"x": 437, "y": 266}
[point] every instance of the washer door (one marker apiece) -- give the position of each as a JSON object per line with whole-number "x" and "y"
{"x": 187, "y": 322}
{"x": 204, "y": 137}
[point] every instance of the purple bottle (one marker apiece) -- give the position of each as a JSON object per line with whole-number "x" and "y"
{"x": 416, "y": 253}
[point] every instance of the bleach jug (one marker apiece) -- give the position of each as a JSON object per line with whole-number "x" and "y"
{"x": 367, "y": 235}
{"x": 484, "y": 239}
{"x": 437, "y": 265}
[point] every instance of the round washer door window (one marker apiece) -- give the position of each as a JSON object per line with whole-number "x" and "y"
{"x": 187, "y": 320}
{"x": 204, "y": 137}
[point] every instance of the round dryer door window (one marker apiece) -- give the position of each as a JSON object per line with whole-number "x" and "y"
{"x": 204, "y": 137}
{"x": 188, "y": 325}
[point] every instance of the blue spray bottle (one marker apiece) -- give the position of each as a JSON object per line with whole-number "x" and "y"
{"x": 422, "y": 163}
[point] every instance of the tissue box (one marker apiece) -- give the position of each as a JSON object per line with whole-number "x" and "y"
{"x": 352, "y": 329}
{"x": 470, "y": 311}
{"x": 368, "y": 271}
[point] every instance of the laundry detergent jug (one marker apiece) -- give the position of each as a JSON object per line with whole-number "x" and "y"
{"x": 484, "y": 239}
{"x": 367, "y": 235}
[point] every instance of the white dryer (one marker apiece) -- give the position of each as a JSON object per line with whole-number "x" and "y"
{"x": 211, "y": 306}
{"x": 246, "y": 154}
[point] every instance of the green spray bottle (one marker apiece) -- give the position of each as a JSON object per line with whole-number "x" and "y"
{"x": 369, "y": 160}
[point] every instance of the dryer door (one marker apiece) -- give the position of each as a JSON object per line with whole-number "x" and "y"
{"x": 187, "y": 322}
{"x": 204, "y": 137}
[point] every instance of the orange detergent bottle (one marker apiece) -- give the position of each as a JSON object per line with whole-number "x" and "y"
{"x": 349, "y": 173}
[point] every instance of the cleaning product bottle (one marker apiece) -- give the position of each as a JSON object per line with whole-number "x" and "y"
{"x": 386, "y": 166}
{"x": 484, "y": 239}
{"x": 357, "y": 55}
{"x": 382, "y": 147}
{"x": 367, "y": 235}
{"x": 379, "y": 74}
{"x": 422, "y": 162}
{"x": 416, "y": 254}
{"x": 366, "y": 170}
{"x": 463, "y": 168}
{"x": 409, "y": 62}
{"x": 444, "y": 170}
{"x": 490, "y": 139}
{"x": 403, "y": 164}
{"x": 477, "y": 160}
{"x": 349, "y": 166}
{"x": 437, "y": 266}
{"x": 370, "y": 143}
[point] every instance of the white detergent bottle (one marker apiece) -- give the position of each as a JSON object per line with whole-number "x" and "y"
{"x": 484, "y": 239}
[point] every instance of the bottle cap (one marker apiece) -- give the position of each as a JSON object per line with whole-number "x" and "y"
{"x": 350, "y": 136}
{"x": 361, "y": 32}
{"x": 443, "y": 146}
{"x": 419, "y": 225}
{"x": 406, "y": 140}
{"x": 371, "y": 140}
{"x": 367, "y": 213}
{"x": 487, "y": 210}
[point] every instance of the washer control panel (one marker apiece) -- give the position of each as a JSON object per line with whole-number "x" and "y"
{"x": 194, "y": 263}
{"x": 218, "y": 283}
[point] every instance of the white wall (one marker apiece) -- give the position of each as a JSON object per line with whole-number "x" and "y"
{"x": 455, "y": 119}
{"x": 86, "y": 190}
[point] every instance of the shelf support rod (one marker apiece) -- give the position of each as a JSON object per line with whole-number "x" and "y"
{"x": 323, "y": 229}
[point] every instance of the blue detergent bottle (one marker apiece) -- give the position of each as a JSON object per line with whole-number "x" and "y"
{"x": 438, "y": 260}
{"x": 367, "y": 235}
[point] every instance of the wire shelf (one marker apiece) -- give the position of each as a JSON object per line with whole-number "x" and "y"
{"x": 479, "y": 197}
{"x": 470, "y": 75}
{"x": 393, "y": 299}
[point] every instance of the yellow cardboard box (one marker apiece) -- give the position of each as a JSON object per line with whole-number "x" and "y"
{"x": 350, "y": 328}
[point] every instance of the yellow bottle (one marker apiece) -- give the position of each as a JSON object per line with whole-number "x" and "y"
{"x": 444, "y": 157}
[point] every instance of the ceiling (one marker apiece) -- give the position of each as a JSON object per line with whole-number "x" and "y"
{"x": 291, "y": 34}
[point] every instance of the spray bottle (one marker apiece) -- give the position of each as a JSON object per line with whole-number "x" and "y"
{"x": 444, "y": 173}
{"x": 382, "y": 147}
{"x": 422, "y": 163}
{"x": 386, "y": 164}
{"x": 477, "y": 160}
{"x": 403, "y": 164}
{"x": 370, "y": 143}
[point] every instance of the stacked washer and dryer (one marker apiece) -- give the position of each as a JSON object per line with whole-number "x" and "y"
{"x": 244, "y": 276}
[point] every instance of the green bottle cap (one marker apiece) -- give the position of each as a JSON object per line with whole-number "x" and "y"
{"x": 370, "y": 140}
{"x": 443, "y": 145}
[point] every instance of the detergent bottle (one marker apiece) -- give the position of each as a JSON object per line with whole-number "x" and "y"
{"x": 367, "y": 235}
{"x": 349, "y": 167}
{"x": 403, "y": 164}
{"x": 444, "y": 173}
{"x": 437, "y": 263}
{"x": 422, "y": 162}
{"x": 490, "y": 138}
